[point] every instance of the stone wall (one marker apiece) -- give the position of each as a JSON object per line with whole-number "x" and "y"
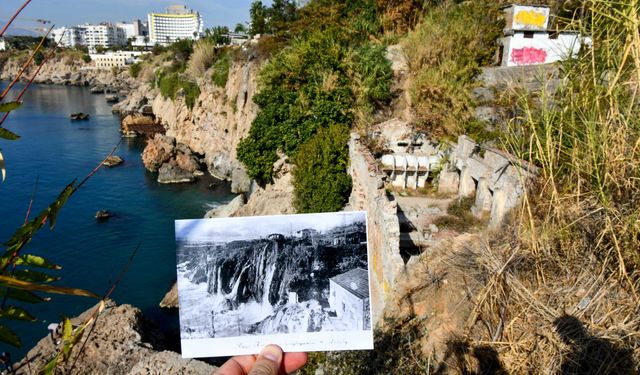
{"x": 383, "y": 226}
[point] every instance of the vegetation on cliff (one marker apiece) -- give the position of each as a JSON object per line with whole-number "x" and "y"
{"x": 328, "y": 76}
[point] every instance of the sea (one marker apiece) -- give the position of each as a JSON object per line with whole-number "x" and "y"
{"x": 52, "y": 152}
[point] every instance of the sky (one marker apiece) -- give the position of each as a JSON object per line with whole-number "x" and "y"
{"x": 248, "y": 228}
{"x": 73, "y": 12}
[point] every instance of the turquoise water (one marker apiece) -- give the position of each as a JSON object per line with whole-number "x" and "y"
{"x": 93, "y": 253}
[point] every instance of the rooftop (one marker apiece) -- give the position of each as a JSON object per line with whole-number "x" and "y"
{"x": 355, "y": 281}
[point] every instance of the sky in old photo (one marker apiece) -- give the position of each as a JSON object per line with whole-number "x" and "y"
{"x": 249, "y": 228}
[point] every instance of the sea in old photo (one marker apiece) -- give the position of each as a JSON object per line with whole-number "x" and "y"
{"x": 273, "y": 275}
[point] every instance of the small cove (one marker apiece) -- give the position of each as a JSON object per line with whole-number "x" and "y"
{"x": 57, "y": 150}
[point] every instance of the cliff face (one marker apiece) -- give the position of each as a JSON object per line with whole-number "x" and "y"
{"x": 220, "y": 118}
{"x": 68, "y": 70}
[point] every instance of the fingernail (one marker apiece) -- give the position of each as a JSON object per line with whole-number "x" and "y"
{"x": 272, "y": 353}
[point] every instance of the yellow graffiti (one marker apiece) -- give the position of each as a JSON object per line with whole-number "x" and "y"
{"x": 531, "y": 18}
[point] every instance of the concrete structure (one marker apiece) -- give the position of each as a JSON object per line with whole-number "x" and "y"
{"x": 349, "y": 298}
{"x": 495, "y": 179}
{"x": 383, "y": 226}
{"x": 526, "y": 18}
{"x": 3, "y": 44}
{"x": 178, "y": 22}
{"x": 409, "y": 171}
{"x": 539, "y": 47}
{"x": 527, "y": 40}
{"x": 115, "y": 59}
{"x": 133, "y": 29}
{"x": 238, "y": 39}
{"x": 104, "y": 35}
{"x": 68, "y": 37}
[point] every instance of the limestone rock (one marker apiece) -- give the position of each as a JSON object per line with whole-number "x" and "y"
{"x": 170, "y": 300}
{"x": 228, "y": 209}
{"x": 113, "y": 161}
{"x": 122, "y": 342}
{"x": 396, "y": 56}
{"x": 274, "y": 199}
{"x": 240, "y": 181}
{"x": 170, "y": 363}
{"x": 158, "y": 151}
{"x": 171, "y": 174}
{"x": 187, "y": 161}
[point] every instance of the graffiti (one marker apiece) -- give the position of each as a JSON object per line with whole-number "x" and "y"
{"x": 531, "y": 18}
{"x": 528, "y": 56}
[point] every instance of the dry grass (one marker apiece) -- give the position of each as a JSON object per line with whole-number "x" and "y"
{"x": 201, "y": 59}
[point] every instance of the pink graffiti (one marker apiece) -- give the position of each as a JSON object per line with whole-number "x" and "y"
{"x": 528, "y": 55}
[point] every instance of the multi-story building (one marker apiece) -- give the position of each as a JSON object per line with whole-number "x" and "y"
{"x": 3, "y": 45}
{"x": 178, "y": 22}
{"x": 133, "y": 29}
{"x": 68, "y": 36}
{"x": 105, "y": 35}
{"x": 115, "y": 59}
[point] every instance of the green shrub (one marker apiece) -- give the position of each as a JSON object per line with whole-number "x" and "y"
{"x": 303, "y": 89}
{"x": 445, "y": 52}
{"x": 172, "y": 83}
{"x": 221, "y": 68}
{"x": 320, "y": 177}
{"x": 134, "y": 70}
{"x": 86, "y": 58}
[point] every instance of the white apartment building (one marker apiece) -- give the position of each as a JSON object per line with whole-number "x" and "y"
{"x": 133, "y": 29}
{"x": 104, "y": 35}
{"x": 68, "y": 37}
{"x": 178, "y": 22}
{"x": 3, "y": 44}
{"x": 115, "y": 59}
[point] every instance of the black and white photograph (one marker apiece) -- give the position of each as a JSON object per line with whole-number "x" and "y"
{"x": 299, "y": 281}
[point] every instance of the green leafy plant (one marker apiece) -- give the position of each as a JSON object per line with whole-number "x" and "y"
{"x": 221, "y": 67}
{"x": 170, "y": 84}
{"x": 320, "y": 176}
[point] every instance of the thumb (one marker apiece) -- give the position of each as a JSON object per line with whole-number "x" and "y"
{"x": 268, "y": 362}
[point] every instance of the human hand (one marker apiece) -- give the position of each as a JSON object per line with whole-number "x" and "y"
{"x": 270, "y": 361}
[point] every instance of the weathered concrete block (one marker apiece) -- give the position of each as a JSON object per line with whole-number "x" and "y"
{"x": 498, "y": 209}
{"x": 448, "y": 182}
{"x": 467, "y": 184}
{"x": 484, "y": 198}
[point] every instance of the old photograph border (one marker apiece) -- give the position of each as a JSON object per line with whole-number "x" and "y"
{"x": 290, "y": 280}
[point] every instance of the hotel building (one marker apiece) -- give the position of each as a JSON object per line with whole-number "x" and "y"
{"x": 178, "y": 22}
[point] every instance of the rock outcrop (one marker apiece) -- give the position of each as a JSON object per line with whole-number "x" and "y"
{"x": 220, "y": 118}
{"x": 175, "y": 163}
{"x": 121, "y": 342}
{"x": 171, "y": 174}
{"x": 228, "y": 209}
{"x": 170, "y": 300}
{"x": 159, "y": 150}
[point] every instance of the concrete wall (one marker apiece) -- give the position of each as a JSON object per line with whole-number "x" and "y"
{"x": 383, "y": 226}
{"x": 540, "y": 49}
{"x": 522, "y": 17}
{"x": 496, "y": 179}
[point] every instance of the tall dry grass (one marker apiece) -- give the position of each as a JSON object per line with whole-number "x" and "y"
{"x": 559, "y": 291}
{"x": 203, "y": 57}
